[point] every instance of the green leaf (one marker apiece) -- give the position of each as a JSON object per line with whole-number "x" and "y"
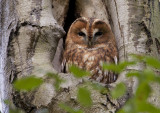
{"x": 99, "y": 87}
{"x": 149, "y": 74}
{"x": 144, "y": 106}
{"x": 117, "y": 68}
{"x": 111, "y": 67}
{"x": 133, "y": 73}
{"x": 84, "y": 97}
{"x": 143, "y": 91}
{"x": 69, "y": 109}
{"x": 129, "y": 107}
{"x": 153, "y": 62}
{"x": 15, "y": 111}
{"x": 77, "y": 72}
{"x": 7, "y": 102}
{"x": 124, "y": 64}
{"x": 157, "y": 79}
{"x": 27, "y": 83}
{"x": 119, "y": 90}
{"x": 146, "y": 75}
{"x": 58, "y": 80}
{"x": 138, "y": 58}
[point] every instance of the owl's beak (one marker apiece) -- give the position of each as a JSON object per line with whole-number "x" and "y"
{"x": 89, "y": 42}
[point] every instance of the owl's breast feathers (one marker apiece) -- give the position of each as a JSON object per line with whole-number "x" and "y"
{"x": 91, "y": 59}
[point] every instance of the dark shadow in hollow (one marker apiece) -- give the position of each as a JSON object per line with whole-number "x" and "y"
{"x": 70, "y": 15}
{"x": 61, "y": 46}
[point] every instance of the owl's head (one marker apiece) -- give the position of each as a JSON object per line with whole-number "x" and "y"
{"x": 90, "y": 33}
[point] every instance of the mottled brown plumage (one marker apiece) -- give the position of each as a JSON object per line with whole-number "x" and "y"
{"x": 89, "y": 42}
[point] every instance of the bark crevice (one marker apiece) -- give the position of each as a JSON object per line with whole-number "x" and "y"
{"x": 120, "y": 28}
{"x": 71, "y": 16}
{"x": 158, "y": 45}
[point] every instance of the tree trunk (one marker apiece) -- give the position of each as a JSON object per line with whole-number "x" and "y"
{"x": 32, "y": 34}
{"x": 133, "y": 24}
{"x": 8, "y": 22}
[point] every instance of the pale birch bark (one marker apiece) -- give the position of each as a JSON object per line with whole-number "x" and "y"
{"x": 32, "y": 49}
{"x": 37, "y": 29}
{"x": 8, "y": 21}
{"x": 154, "y": 50}
{"x": 59, "y": 9}
{"x": 136, "y": 33}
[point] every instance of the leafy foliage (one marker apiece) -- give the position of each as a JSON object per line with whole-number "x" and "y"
{"x": 98, "y": 87}
{"x": 84, "y": 97}
{"x": 58, "y": 80}
{"x": 77, "y": 72}
{"x": 119, "y": 90}
{"x": 150, "y": 61}
{"x": 117, "y": 68}
{"x": 27, "y": 83}
{"x": 69, "y": 109}
{"x": 138, "y": 103}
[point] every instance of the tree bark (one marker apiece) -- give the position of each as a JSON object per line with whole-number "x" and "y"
{"x": 32, "y": 44}
{"x": 133, "y": 26}
{"x": 8, "y": 22}
{"x": 32, "y": 49}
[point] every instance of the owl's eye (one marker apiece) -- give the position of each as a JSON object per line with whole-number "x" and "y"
{"x": 98, "y": 34}
{"x": 81, "y": 34}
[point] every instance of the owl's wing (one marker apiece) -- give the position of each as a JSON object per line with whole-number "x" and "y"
{"x": 110, "y": 76}
{"x": 105, "y": 76}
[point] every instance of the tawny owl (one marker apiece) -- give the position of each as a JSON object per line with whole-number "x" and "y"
{"x": 89, "y": 42}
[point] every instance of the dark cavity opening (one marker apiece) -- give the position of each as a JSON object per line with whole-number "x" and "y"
{"x": 70, "y": 18}
{"x": 70, "y": 15}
